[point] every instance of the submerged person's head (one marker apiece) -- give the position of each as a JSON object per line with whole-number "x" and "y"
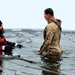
{"x": 1, "y": 28}
{"x": 48, "y": 13}
{"x": 0, "y": 23}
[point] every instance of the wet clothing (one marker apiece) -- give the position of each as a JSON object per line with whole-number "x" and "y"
{"x": 3, "y": 42}
{"x": 6, "y": 46}
{"x": 52, "y": 35}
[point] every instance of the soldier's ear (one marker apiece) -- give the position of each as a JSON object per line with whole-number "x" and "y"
{"x": 49, "y": 15}
{"x": 1, "y": 27}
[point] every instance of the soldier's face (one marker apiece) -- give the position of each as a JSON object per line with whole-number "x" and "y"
{"x": 47, "y": 16}
{"x": 1, "y": 29}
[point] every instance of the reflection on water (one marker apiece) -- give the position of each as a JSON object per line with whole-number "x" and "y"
{"x": 52, "y": 65}
{"x": 32, "y": 64}
{"x": 1, "y": 63}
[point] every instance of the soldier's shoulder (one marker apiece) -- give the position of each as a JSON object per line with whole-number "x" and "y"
{"x": 52, "y": 25}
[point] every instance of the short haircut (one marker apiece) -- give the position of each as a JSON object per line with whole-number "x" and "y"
{"x": 49, "y": 11}
{"x": 0, "y": 22}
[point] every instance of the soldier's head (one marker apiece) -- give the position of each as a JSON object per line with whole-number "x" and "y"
{"x": 1, "y": 28}
{"x": 48, "y": 13}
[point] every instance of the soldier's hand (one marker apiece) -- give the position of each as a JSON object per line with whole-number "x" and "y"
{"x": 19, "y": 45}
{"x": 38, "y": 53}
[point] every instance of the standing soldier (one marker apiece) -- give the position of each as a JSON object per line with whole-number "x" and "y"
{"x": 52, "y": 34}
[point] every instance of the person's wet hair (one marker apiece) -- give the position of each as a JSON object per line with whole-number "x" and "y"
{"x": 0, "y": 22}
{"x": 1, "y": 29}
{"x": 49, "y": 11}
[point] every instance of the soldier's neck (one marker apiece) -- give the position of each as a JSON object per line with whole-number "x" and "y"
{"x": 51, "y": 19}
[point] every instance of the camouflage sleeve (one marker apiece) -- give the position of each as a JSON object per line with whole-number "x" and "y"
{"x": 48, "y": 39}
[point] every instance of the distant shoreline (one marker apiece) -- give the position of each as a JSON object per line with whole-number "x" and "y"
{"x": 33, "y": 30}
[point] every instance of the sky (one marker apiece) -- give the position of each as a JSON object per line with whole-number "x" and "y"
{"x": 30, "y": 13}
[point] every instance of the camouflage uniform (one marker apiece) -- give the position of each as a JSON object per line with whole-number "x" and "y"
{"x": 52, "y": 35}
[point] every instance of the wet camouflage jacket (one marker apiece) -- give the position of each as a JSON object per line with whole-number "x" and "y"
{"x": 52, "y": 35}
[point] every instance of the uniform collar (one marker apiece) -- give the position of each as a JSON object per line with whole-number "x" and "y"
{"x": 49, "y": 21}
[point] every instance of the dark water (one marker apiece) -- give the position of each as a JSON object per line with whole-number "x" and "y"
{"x": 32, "y": 64}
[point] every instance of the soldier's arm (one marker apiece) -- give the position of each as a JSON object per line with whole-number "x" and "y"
{"x": 3, "y": 41}
{"x": 48, "y": 39}
{"x": 0, "y": 48}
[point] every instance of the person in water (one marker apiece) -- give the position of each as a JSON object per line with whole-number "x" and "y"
{"x": 52, "y": 34}
{"x": 6, "y": 46}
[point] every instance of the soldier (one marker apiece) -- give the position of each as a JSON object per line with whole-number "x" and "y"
{"x": 6, "y": 46}
{"x": 52, "y": 34}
